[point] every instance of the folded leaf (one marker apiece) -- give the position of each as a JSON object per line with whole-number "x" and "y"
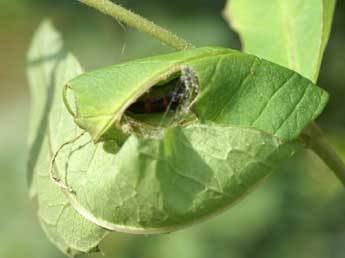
{"x": 245, "y": 116}
{"x": 148, "y": 166}
{"x": 153, "y": 186}
{"x": 235, "y": 89}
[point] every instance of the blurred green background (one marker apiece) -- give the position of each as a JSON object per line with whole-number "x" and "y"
{"x": 299, "y": 212}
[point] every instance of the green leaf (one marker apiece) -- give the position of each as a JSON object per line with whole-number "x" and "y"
{"x": 42, "y": 60}
{"x": 292, "y": 33}
{"x": 245, "y": 112}
{"x": 63, "y": 225}
{"x": 139, "y": 174}
{"x": 235, "y": 89}
{"x": 49, "y": 67}
{"x": 151, "y": 186}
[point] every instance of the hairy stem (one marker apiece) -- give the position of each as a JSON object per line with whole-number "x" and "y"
{"x": 138, "y": 22}
{"x": 317, "y": 141}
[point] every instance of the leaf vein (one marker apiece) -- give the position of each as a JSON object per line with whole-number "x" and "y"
{"x": 294, "y": 109}
{"x": 272, "y": 96}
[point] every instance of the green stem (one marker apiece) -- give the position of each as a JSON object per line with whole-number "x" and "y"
{"x": 317, "y": 141}
{"x": 138, "y": 22}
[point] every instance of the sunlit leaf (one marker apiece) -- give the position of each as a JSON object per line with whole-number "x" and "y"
{"x": 154, "y": 186}
{"x": 235, "y": 89}
{"x": 292, "y": 33}
{"x": 158, "y": 171}
{"x": 246, "y": 110}
{"x": 49, "y": 67}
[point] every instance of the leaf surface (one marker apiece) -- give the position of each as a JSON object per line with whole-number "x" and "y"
{"x": 249, "y": 112}
{"x": 235, "y": 89}
{"x": 42, "y": 60}
{"x": 247, "y": 116}
{"x": 49, "y": 67}
{"x": 153, "y": 186}
{"x": 292, "y": 33}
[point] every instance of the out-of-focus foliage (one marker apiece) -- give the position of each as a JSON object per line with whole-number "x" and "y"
{"x": 282, "y": 38}
{"x": 299, "y": 213}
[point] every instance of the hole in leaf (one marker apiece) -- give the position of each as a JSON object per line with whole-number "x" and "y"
{"x": 167, "y": 102}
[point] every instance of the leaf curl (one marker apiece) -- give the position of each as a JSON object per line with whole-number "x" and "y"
{"x": 241, "y": 124}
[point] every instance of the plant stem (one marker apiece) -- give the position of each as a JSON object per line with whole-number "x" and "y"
{"x": 138, "y": 22}
{"x": 317, "y": 141}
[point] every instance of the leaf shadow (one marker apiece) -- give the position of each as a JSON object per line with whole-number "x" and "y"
{"x": 35, "y": 148}
{"x": 190, "y": 180}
